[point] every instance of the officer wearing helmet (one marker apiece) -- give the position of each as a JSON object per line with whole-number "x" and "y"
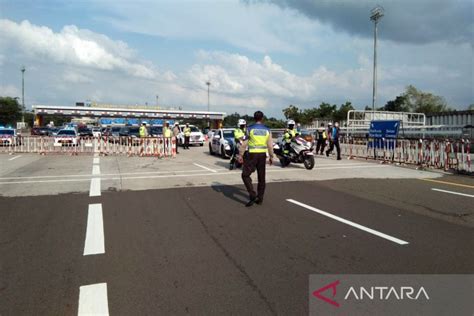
{"x": 288, "y": 135}
{"x": 239, "y": 137}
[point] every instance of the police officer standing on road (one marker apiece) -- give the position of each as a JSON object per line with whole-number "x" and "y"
{"x": 187, "y": 135}
{"x": 176, "y": 133}
{"x": 259, "y": 142}
{"x": 239, "y": 137}
{"x": 142, "y": 132}
{"x": 167, "y": 136}
{"x": 322, "y": 137}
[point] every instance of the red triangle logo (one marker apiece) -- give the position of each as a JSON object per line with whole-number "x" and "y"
{"x": 332, "y": 286}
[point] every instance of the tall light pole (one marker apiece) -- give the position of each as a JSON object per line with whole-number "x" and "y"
{"x": 375, "y": 15}
{"x": 23, "y": 69}
{"x": 208, "y": 86}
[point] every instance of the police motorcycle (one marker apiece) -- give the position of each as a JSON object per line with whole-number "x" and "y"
{"x": 300, "y": 151}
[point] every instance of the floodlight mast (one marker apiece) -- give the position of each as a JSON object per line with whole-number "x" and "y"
{"x": 375, "y": 15}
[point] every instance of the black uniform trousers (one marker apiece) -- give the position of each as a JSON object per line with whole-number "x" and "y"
{"x": 251, "y": 162}
{"x": 320, "y": 145}
{"x": 335, "y": 142}
{"x": 186, "y": 142}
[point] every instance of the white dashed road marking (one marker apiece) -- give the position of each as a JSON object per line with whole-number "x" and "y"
{"x": 206, "y": 168}
{"x": 93, "y": 299}
{"x": 345, "y": 221}
{"x": 95, "y": 182}
{"x": 13, "y": 158}
{"x": 94, "y": 243}
{"x": 452, "y": 192}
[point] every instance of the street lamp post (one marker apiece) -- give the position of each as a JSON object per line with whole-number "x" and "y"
{"x": 208, "y": 86}
{"x": 23, "y": 69}
{"x": 375, "y": 15}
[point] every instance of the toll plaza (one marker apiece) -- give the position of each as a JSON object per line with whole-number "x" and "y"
{"x": 106, "y": 111}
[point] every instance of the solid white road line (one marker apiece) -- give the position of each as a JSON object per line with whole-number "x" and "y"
{"x": 206, "y": 168}
{"x": 452, "y": 192}
{"x": 93, "y": 299}
{"x": 105, "y": 177}
{"x": 96, "y": 160}
{"x": 102, "y": 174}
{"x": 345, "y": 221}
{"x": 94, "y": 243}
{"x": 13, "y": 158}
{"x": 95, "y": 170}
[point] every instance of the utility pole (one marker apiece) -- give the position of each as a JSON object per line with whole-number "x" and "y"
{"x": 157, "y": 98}
{"x": 23, "y": 69}
{"x": 375, "y": 15}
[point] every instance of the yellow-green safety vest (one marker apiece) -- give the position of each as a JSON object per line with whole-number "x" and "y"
{"x": 238, "y": 134}
{"x": 258, "y": 138}
{"x": 289, "y": 134}
{"x": 187, "y": 131}
{"x": 142, "y": 131}
{"x": 166, "y": 132}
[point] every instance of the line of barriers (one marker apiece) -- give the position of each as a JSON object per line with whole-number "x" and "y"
{"x": 160, "y": 147}
{"x": 439, "y": 154}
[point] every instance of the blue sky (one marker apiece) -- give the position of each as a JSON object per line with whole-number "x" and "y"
{"x": 257, "y": 54}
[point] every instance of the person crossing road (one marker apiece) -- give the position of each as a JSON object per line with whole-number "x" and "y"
{"x": 259, "y": 143}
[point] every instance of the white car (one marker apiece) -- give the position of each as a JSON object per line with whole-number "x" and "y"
{"x": 196, "y": 137}
{"x": 8, "y": 137}
{"x": 66, "y": 137}
{"x": 96, "y": 131}
{"x": 222, "y": 142}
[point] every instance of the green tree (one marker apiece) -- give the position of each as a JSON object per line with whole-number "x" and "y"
{"x": 398, "y": 105}
{"x": 326, "y": 110}
{"x": 309, "y": 115}
{"x": 471, "y": 107}
{"x": 341, "y": 113}
{"x": 292, "y": 112}
{"x": 10, "y": 111}
{"x": 423, "y": 102}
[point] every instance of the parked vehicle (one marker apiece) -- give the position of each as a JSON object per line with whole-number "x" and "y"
{"x": 84, "y": 132}
{"x": 96, "y": 131}
{"x": 155, "y": 131}
{"x": 196, "y": 138}
{"x": 301, "y": 151}
{"x": 40, "y": 131}
{"x": 129, "y": 135}
{"x": 66, "y": 137}
{"x": 222, "y": 142}
{"x": 9, "y": 137}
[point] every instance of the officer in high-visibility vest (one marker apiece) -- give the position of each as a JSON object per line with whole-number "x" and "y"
{"x": 187, "y": 135}
{"x": 142, "y": 131}
{"x": 259, "y": 143}
{"x": 239, "y": 137}
{"x": 167, "y": 135}
{"x": 289, "y": 134}
{"x": 322, "y": 136}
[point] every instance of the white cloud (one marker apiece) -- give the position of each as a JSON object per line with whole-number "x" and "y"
{"x": 76, "y": 77}
{"x": 10, "y": 90}
{"x": 260, "y": 27}
{"x": 72, "y": 46}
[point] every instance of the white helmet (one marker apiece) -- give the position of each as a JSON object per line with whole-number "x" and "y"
{"x": 330, "y": 123}
{"x": 290, "y": 122}
{"x": 242, "y": 122}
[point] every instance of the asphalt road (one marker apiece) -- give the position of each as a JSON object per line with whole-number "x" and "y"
{"x": 198, "y": 250}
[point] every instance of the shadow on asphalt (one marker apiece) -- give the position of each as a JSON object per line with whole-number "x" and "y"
{"x": 231, "y": 192}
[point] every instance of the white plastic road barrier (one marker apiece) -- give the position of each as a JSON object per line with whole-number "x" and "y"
{"x": 131, "y": 146}
{"x": 447, "y": 155}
